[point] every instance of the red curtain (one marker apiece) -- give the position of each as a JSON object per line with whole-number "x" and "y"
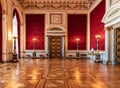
{"x": 0, "y": 33}
{"x": 18, "y": 20}
{"x": 97, "y": 27}
{"x": 77, "y": 26}
{"x": 35, "y": 29}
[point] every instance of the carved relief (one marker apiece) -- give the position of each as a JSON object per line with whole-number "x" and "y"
{"x": 109, "y": 28}
{"x": 56, "y": 5}
{"x": 55, "y": 18}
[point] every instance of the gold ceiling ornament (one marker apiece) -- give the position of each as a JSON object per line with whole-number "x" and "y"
{"x": 56, "y": 5}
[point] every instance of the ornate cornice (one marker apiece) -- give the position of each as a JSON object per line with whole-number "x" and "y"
{"x": 56, "y": 5}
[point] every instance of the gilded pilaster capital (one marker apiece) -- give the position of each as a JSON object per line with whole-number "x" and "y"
{"x": 108, "y": 28}
{"x": 4, "y": 12}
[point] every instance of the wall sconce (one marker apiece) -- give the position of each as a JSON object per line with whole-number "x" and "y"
{"x": 10, "y": 42}
{"x": 9, "y": 36}
{"x": 77, "y": 46}
{"x": 97, "y": 43}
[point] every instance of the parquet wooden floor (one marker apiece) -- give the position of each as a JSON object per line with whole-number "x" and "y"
{"x": 59, "y": 73}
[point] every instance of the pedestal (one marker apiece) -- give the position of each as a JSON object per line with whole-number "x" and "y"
{"x": 77, "y": 54}
{"x": 34, "y": 55}
{"x": 14, "y": 55}
{"x": 97, "y": 58}
{"x": 14, "y": 58}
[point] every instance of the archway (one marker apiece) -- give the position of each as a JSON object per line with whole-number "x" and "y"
{"x": 16, "y": 30}
{"x": 20, "y": 38}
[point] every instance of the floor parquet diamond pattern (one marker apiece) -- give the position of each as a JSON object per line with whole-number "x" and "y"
{"x": 59, "y": 73}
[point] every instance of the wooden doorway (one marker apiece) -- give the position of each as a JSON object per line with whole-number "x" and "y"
{"x": 117, "y": 45}
{"x": 55, "y": 46}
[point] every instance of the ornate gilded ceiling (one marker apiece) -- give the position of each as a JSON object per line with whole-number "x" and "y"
{"x": 56, "y": 4}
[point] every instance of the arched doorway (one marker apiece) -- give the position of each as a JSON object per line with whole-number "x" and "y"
{"x": 0, "y": 33}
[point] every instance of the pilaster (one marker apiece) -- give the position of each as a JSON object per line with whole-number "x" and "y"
{"x": 22, "y": 40}
{"x": 4, "y": 37}
{"x": 88, "y": 32}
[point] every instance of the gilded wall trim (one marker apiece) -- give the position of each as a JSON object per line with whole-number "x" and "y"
{"x": 56, "y": 5}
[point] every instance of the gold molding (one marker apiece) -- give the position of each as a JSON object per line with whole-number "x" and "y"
{"x": 56, "y": 5}
{"x": 109, "y": 28}
{"x": 4, "y": 11}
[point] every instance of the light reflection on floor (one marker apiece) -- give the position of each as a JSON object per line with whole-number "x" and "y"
{"x": 59, "y": 73}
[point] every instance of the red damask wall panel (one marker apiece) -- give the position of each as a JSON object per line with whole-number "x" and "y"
{"x": 0, "y": 33}
{"x": 35, "y": 29}
{"x": 77, "y": 28}
{"x": 97, "y": 27}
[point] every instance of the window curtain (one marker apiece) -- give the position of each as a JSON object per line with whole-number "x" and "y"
{"x": 18, "y": 26}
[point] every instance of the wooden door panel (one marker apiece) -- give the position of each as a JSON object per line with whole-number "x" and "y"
{"x": 55, "y": 46}
{"x": 117, "y": 44}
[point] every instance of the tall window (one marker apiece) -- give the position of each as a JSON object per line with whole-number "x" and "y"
{"x": 15, "y": 31}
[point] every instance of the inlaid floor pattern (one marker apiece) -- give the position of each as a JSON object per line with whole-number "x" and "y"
{"x": 59, "y": 73}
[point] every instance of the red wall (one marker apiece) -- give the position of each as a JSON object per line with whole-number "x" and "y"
{"x": 97, "y": 27}
{"x": 0, "y": 33}
{"x": 35, "y": 29}
{"x": 77, "y": 28}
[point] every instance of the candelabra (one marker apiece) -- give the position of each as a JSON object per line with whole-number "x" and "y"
{"x": 77, "y": 45}
{"x": 34, "y": 47}
{"x": 97, "y": 43}
{"x": 97, "y": 57}
{"x": 14, "y": 55}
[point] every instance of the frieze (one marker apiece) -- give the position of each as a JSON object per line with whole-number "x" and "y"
{"x": 114, "y": 12}
{"x": 56, "y": 5}
{"x": 56, "y": 33}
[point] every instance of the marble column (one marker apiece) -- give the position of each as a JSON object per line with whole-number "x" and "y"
{"x": 108, "y": 47}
